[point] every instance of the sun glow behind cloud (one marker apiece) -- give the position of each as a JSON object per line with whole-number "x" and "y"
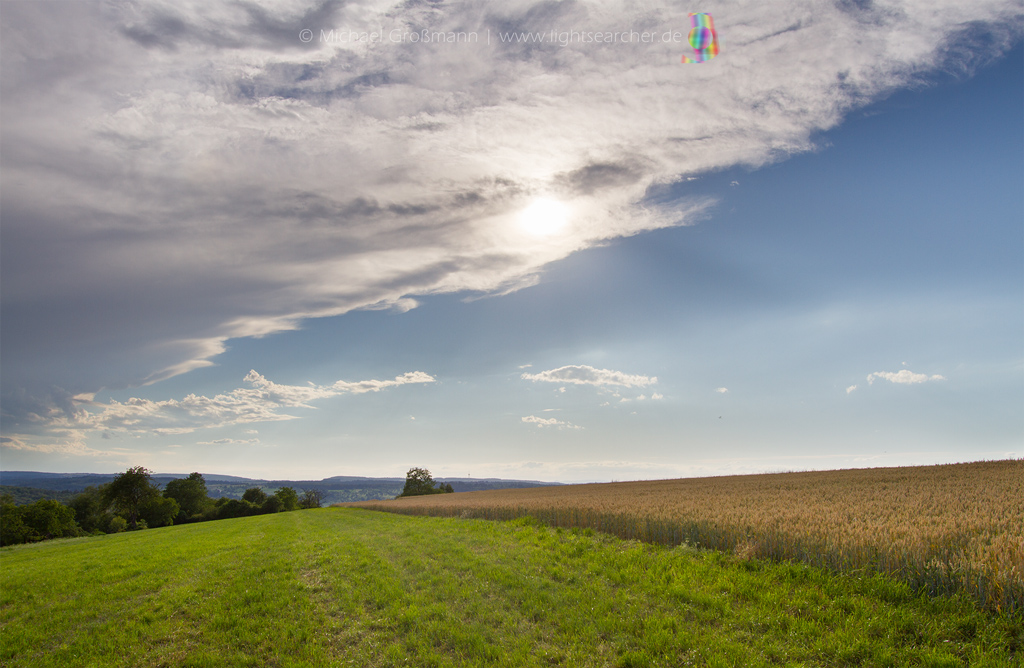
{"x": 241, "y": 183}
{"x": 544, "y": 217}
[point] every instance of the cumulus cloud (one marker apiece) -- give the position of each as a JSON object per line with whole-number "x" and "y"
{"x": 721, "y": 390}
{"x": 902, "y": 377}
{"x": 262, "y": 401}
{"x": 549, "y": 422}
{"x": 581, "y": 374}
{"x": 181, "y": 173}
{"x": 851, "y": 389}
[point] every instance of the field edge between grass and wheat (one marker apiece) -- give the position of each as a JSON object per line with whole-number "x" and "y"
{"x": 352, "y": 587}
{"x": 947, "y": 529}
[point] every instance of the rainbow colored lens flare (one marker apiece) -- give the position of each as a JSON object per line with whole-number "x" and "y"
{"x": 703, "y": 38}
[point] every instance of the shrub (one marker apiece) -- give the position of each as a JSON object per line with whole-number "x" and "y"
{"x": 235, "y": 508}
{"x": 272, "y": 505}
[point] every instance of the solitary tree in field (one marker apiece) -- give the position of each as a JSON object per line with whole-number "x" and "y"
{"x": 419, "y": 482}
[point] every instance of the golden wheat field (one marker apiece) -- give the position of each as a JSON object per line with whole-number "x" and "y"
{"x": 943, "y": 529}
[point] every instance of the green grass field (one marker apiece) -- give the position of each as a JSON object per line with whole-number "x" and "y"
{"x": 346, "y": 587}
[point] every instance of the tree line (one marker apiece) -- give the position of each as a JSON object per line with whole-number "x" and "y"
{"x": 132, "y": 501}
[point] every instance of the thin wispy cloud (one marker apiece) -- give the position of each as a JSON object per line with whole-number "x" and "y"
{"x": 262, "y": 401}
{"x": 582, "y": 374}
{"x": 902, "y": 377}
{"x": 549, "y": 422}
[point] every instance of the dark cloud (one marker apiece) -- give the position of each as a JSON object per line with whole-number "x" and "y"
{"x": 171, "y": 28}
{"x": 854, "y": 6}
{"x": 591, "y": 178}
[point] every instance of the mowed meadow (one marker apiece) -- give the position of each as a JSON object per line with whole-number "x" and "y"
{"x": 347, "y": 587}
{"x": 949, "y": 529}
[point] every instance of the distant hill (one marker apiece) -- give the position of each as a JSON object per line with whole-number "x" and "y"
{"x": 336, "y": 489}
{"x": 25, "y": 495}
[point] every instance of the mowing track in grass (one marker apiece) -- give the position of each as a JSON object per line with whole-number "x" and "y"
{"x": 345, "y": 587}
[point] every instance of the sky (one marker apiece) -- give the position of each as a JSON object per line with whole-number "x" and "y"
{"x": 517, "y": 240}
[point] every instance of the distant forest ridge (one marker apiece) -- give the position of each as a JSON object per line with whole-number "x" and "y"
{"x": 29, "y": 486}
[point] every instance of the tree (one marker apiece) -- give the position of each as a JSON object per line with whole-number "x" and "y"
{"x": 158, "y": 511}
{"x": 91, "y": 509}
{"x": 129, "y": 491}
{"x": 419, "y": 482}
{"x": 12, "y": 529}
{"x": 191, "y": 495}
{"x": 310, "y": 499}
{"x": 255, "y": 496}
{"x": 272, "y": 505}
{"x": 289, "y": 498}
{"x": 47, "y": 519}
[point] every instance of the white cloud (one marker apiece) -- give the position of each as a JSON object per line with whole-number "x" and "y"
{"x": 264, "y": 401}
{"x": 851, "y": 389}
{"x": 903, "y": 377}
{"x": 721, "y": 390}
{"x": 67, "y": 446}
{"x": 549, "y": 422}
{"x": 588, "y": 375}
{"x": 656, "y": 396}
{"x": 223, "y": 179}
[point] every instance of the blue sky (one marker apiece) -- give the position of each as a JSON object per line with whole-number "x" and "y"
{"x": 228, "y": 250}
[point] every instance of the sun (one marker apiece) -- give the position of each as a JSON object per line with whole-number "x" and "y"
{"x": 544, "y": 217}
